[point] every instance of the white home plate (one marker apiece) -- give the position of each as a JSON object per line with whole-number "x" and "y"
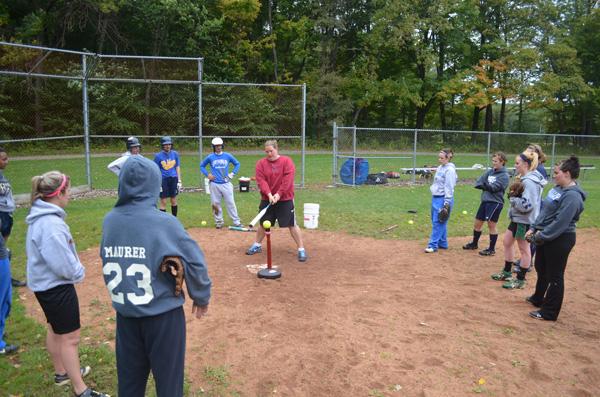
{"x": 254, "y": 269}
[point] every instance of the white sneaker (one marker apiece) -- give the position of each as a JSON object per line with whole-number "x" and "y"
{"x": 430, "y": 250}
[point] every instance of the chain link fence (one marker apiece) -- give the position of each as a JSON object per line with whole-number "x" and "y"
{"x": 409, "y": 155}
{"x": 63, "y": 102}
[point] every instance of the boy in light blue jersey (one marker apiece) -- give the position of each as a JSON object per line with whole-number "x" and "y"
{"x": 220, "y": 182}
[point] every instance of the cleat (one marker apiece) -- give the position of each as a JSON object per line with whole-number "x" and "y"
{"x": 430, "y": 250}
{"x": 92, "y": 393}
{"x": 487, "y": 252}
{"x": 9, "y": 349}
{"x": 62, "y": 380}
{"x": 502, "y": 276}
{"x": 255, "y": 249}
{"x": 470, "y": 246}
{"x": 302, "y": 257}
{"x": 514, "y": 283}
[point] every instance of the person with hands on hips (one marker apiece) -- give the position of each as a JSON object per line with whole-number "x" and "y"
{"x": 168, "y": 163}
{"x": 442, "y": 191}
{"x": 524, "y": 196}
{"x": 53, "y": 268}
{"x": 275, "y": 179}
{"x": 221, "y": 187}
{"x": 493, "y": 183}
{"x": 553, "y": 232}
{"x": 150, "y": 329}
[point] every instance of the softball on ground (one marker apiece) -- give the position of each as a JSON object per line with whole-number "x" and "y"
{"x": 411, "y": 222}
{"x": 203, "y": 223}
{"x": 267, "y": 224}
{"x": 465, "y": 212}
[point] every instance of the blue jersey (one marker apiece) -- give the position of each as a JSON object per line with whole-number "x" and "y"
{"x": 219, "y": 166}
{"x": 167, "y": 162}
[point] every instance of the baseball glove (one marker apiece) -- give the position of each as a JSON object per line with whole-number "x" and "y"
{"x": 516, "y": 189}
{"x": 535, "y": 238}
{"x": 174, "y": 265}
{"x": 444, "y": 213}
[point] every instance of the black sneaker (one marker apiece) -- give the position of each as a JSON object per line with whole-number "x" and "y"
{"x": 92, "y": 393}
{"x": 470, "y": 246}
{"x": 62, "y": 380}
{"x": 487, "y": 252}
{"x": 17, "y": 283}
{"x": 9, "y": 349}
{"x": 532, "y": 302}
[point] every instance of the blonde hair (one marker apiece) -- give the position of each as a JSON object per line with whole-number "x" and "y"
{"x": 43, "y": 186}
{"x": 531, "y": 158}
{"x": 537, "y": 149}
{"x": 272, "y": 142}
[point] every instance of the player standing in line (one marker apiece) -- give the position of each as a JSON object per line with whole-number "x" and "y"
{"x": 442, "y": 191}
{"x": 554, "y": 233}
{"x": 275, "y": 180}
{"x": 150, "y": 332}
{"x": 7, "y": 207}
{"x": 53, "y": 268}
{"x": 168, "y": 162}
{"x": 220, "y": 182}
{"x": 133, "y": 147}
{"x": 524, "y": 208}
{"x": 493, "y": 183}
{"x": 5, "y": 298}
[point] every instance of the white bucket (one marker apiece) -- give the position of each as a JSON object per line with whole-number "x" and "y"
{"x": 207, "y": 185}
{"x": 311, "y": 215}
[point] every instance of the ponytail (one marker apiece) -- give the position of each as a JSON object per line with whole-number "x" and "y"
{"x": 48, "y": 185}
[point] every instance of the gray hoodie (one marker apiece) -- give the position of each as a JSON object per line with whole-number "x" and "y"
{"x": 135, "y": 238}
{"x": 7, "y": 203}
{"x": 493, "y": 183}
{"x": 51, "y": 255}
{"x": 560, "y": 212}
{"x": 444, "y": 182}
{"x": 526, "y": 208}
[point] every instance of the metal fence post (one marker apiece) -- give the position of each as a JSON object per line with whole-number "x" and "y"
{"x": 354, "y": 156}
{"x": 414, "y": 175}
{"x": 335, "y": 138}
{"x": 201, "y": 184}
{"x": 553, "y": 152}
{"x": 86, "y": 125}
{"x": 303, "y": 132}
{"x": 489, "y": 145}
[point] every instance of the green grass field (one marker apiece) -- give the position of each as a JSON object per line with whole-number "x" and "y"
{"x": 364, "y": 211}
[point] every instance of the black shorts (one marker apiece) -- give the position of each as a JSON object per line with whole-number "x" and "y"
{"x": 518, "y": 230}
{"x": 6, "y": 220}
{"x": 169, "y": 187}
{"x": 283, "y": 212}
{"x": 489, "y": 211}
{"x": 61, "y": 307}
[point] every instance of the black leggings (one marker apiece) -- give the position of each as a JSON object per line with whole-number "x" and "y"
{"x": 550, "y": 264}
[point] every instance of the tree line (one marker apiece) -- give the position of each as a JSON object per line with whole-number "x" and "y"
{"x": 481, "y": 65}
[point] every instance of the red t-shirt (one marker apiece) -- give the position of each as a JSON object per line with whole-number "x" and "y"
{"x": 276, "y": 177}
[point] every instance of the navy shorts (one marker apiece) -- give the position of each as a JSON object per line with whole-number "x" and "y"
{"x": 283, "y": 212}
{"x": 61, "y": 307}
{"x": 518, "y": 230}
{"x": 6, "y": 220}
{"x": 489, "y": 211}
{"x": 169, "y": 187}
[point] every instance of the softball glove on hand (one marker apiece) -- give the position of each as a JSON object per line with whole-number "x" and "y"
{"x": 444, "y": 213}
{"x": 174, "y": 265}
{"x": 535, "y": 238}
{"x": 516, "y": 189}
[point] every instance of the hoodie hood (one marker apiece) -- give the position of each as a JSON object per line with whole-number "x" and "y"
{"x": 139, "y": 182}
{"x": 42, "y": 208}
{"x": 577, "y": 189}
{"x": 536, "y": 177}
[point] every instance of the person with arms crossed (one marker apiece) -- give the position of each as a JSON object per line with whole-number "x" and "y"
{"x": 134, "y": 147}
{"x": 275, "y": 179}
{"x": 553, "y": 232}
{"x": 150, "y": 331}
{"x": 7, "y": 207}
{"x": 53, "y": 268}
{"x": 168, "y": 162}
{"x": 442, "y": 201}
{"x": 524, "y": 196}
{"x": 220, "y": 182}
{"x": 493, "y": 183}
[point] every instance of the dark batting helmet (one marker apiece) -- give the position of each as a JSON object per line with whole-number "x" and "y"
{"x": 132, "y": 142}
{"x": 166, "y": 140}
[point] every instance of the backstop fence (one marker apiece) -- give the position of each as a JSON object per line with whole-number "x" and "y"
{"x": 55, "y": 101}
{"x": 410, "y": 154}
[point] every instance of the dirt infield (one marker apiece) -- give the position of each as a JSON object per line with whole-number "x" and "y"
{"x": 367, "y": 317}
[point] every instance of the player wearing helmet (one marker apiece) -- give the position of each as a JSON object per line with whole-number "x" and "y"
{"x": 220, "y": 181}
{"x": 168, "y": 162}
{"x": 134, "y": 147}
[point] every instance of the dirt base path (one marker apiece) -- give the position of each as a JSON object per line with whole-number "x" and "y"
{"x": 367, "y": 317}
